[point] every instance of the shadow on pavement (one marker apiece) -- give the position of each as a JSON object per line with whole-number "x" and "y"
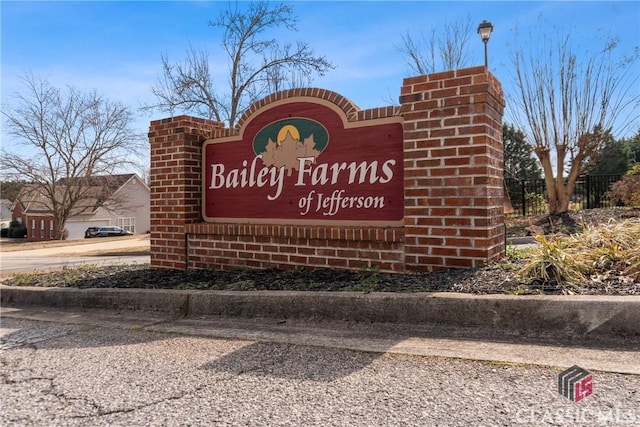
{"x": 293, "y": 362}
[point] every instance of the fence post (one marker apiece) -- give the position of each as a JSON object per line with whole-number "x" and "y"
{"x": 588, "y": 190}
{"x": 524, "y": 198}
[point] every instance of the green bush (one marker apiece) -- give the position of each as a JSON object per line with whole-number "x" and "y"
{"x": 16, "y": 230}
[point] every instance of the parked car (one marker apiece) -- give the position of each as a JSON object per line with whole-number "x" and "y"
{"x": 106, "y": 232}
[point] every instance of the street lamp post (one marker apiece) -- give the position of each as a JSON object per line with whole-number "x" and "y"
{"x": 484, "y": 29}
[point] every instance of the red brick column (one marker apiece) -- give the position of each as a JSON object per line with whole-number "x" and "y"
{"x": 176, "y": 185}
{"x": 453, "y": 169}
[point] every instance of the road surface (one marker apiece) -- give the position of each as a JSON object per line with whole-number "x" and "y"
{"x": 75, "y": 254}
{"x": 119, "y": 371}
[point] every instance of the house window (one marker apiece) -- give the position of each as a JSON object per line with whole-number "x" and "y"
{"x": 51, "y": 229}
{"x": 42, "y": 228}
{"x": 128, "y": 224}
{"x": 33, "y": 228}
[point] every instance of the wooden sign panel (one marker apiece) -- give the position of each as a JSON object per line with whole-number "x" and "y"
{"x": 301, "y": 161}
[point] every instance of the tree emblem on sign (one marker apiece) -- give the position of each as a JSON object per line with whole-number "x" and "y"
{"x": 283, "y": 143}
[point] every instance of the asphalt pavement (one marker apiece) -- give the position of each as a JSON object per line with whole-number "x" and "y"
{"x": 105, "y": 368}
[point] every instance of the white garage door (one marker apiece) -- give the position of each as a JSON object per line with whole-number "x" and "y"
{"x": 76, "y": 229}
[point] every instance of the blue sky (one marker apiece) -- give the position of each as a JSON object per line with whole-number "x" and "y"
{"x": 115, "y": 47}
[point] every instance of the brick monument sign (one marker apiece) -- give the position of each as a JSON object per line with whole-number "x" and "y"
{"x": 307, "y": 179}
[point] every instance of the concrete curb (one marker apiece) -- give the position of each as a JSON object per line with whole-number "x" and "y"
{"x": 577, "y": 316}
{"x": 526, "y": 240}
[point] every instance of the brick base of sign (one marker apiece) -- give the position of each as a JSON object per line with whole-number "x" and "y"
{"x": 453, "y": 189}
{"x": 221, "y": 246}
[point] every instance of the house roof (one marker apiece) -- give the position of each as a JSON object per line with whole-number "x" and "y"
{"x": 97, "y": 190}
{"x": 113, "y": 182}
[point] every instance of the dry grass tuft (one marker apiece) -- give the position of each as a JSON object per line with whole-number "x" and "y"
{"x": 607, "y": 249}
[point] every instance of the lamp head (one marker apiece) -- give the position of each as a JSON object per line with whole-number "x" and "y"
{"x": 484, "y": 29}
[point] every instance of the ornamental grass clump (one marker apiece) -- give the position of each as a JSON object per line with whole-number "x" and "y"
{"x": 609, "y": 249}
{"x": 633, "y": 270}
{"x": 552, "y": 262}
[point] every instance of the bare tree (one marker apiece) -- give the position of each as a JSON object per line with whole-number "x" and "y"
{"x": 257, "y": 66}
{"x": 441, "y": 50}
{"x": 570, "y": 100}
{"x": 62, "y": 140}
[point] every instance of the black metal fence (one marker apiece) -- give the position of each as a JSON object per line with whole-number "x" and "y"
{"x": 529, "y": 197}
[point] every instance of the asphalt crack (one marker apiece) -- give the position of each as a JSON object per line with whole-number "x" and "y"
{"x": 102, "y": 412}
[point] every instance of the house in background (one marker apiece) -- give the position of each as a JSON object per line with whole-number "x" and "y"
{"x": 5, "y": 213}
{"x": 121, "y": 200}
